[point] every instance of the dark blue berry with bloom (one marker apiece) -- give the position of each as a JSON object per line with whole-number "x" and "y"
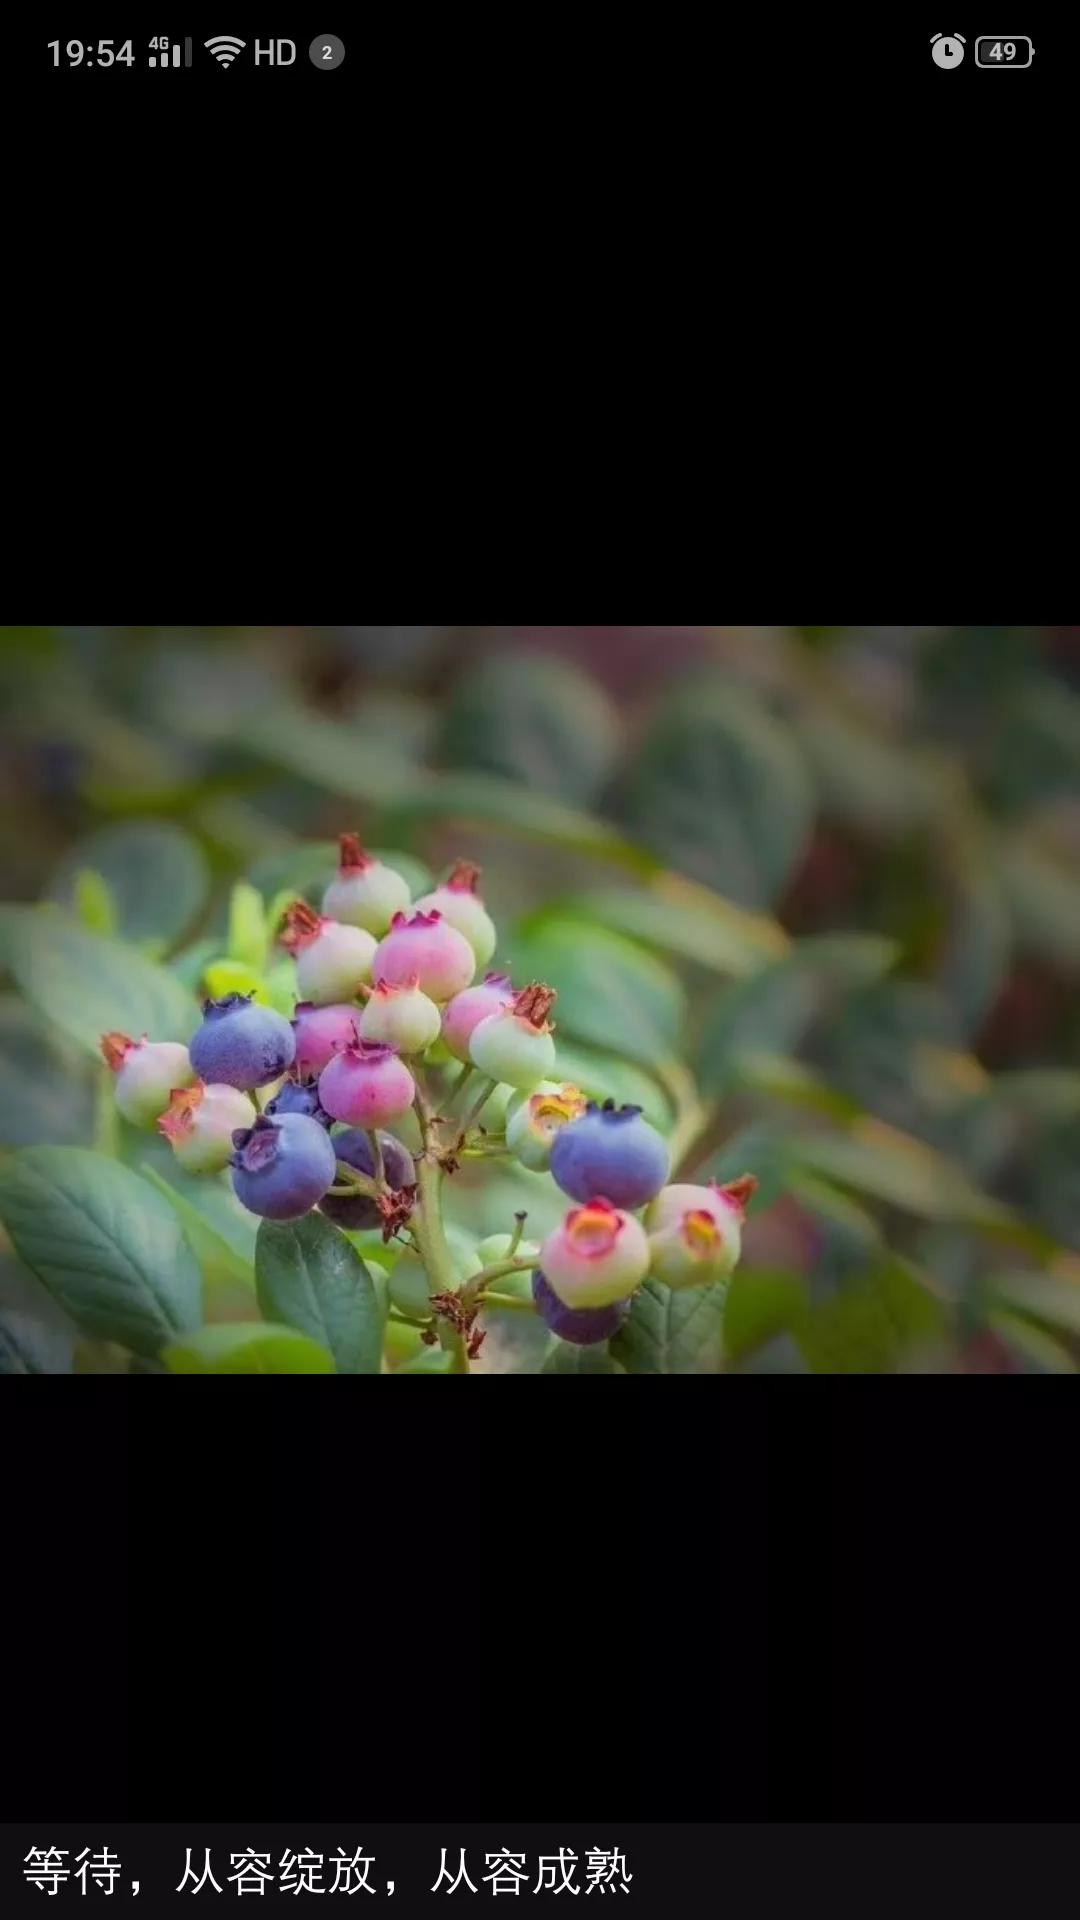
{"x": 359, "y": 1211}
{"x": 242, "y": 1044}
{"x": 581, "y": 1326}
{"x": 299, "y": 1096}
{"x": 283, "y": 1167}
{"x": 614, "y": 1151}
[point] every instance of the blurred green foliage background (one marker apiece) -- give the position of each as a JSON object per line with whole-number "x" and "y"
{"x": 810, "y": 895}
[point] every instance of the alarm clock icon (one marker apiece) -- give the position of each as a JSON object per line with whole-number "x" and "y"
{"x": 948, "y": 49}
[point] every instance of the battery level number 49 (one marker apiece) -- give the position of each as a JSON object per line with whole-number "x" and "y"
{"x": 994, "y": 50}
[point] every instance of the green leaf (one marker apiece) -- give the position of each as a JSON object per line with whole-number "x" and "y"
{"x": 248, "y": 932}
{"x": 872, "y": 1322}
{"x": 46, "y": 1089}
{"x": 565, "y": 1358}
{"x": 603, "y": 1076}
{"x": 892, "y": 1166}
{"x": 109, "y": 1249}
{"x": 308, "y": 870}
{"x": 684, "y": 919}
{"x": 429, "y": 1360}
{"x": 92, "y": 899}
{"x": 611, "y": 993}
{"x": 221, "y": 1265}
{"x": 1043, "y": 893}
{"x": 325, "y": 752}
{"x": 534, "y": 719}
{"x": 863, "y": 777}
{"x": 1043, "y": 1297}
{"x": 719, "y": 790}
{"x": 309, "y": 1276}
{"x": 670, "y": 1332}
{"x": 760, "y": 1305}
{"x": 27, "y": 1345}
{"x": 87, "y": 985}
{"x": 247, "y": 1349}
{"x": 155, "y": 873}
{"x": 773, "y": 1010}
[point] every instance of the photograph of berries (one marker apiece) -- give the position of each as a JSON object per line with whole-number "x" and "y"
{"x": 603, "y": 1000}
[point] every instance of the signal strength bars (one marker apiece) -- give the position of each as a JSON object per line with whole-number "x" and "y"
{"x": 170, "y": 56}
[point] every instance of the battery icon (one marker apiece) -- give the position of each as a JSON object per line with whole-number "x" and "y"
{"x": 1003, "y": 50}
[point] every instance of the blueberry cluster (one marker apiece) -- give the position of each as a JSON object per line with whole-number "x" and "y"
{"x": 303, "y": 1111}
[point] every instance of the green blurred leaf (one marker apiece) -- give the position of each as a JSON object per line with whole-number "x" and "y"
{"x": 869, "y": 1324}
{"x": 670, "y": 1332}
{"x": 1043, "y": 1297}
{"x": 865, "y": 779}
{"x": 773, "y": 1010}
{"x": 533, "y": 719}
{"x": 565, "y": 1358}
{"x": 109, "y": 1249}
{"x": 93, "y": 902}
{"x": 27, "y": 1345}
{"x": 718, "y": 788}
{"x": 603, "y": 1076}
{"x": 88, "y": 985}
{"x": 889, "y": 1165}
{"x": 247, "y": 1349}
{"x": 760, "y": 1305}
{"x": 1044, "y": 898}
{"x": 46, "y": 1090}
{"x": 309, "y": 1276}
{"x": 611, "y": 993}
{"x": 681, "y": 918}
{"x": 156, "y": 875}
{"x": 248, "y": 932}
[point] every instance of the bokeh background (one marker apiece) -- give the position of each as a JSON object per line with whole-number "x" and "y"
{"x": 809, "y": 895}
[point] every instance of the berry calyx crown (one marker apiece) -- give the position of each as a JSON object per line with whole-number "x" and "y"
{"x": 465, "y": 877}
{"x": 593, "y": 1229}
{"x": 568, "y": 1104}
{"x": 229, "y": 1003}
{"x": 700, "y": 1231}
{"x": 179, "y": 1116}
{"x": 256, "y": 1145}
{"x": 302, "y": 926}
{"x": 497, "y": 980}
{"x": 738, "y": 1193}
{"x": 611, "y": 1112}
{"x": 368, "y": 1053}
{"x": 354, "y": 859}
{"x": 115, "y": 1048}
{"x": 431, "y": 919}
{"x": 386, "y": 989}
{"x": 534, "y": 1003}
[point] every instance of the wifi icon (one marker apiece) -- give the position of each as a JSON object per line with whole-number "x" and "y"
{"x": 225, "y": 47}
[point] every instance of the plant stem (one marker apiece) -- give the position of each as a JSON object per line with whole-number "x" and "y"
{"x": 380, "y": 1170}
{"x": 430, "y": 1234}
{"x": 465, "y": 1075}
{"x": 515, "y": 1237}
{"x": 498, "y": 1271}
{"x": 507, "y": 1303}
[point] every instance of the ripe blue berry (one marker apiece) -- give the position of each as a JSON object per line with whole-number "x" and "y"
{"x": 298, "y": 1096}
{"x": 242, "y": 1044}
{"x": 613, "y": 1151}
{"x": 581, "y": 1326}
{"x": 283, "y": 1167}
{"x": 359, "y": 1211}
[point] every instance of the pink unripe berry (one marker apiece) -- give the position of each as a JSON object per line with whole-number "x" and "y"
{"x": 366, "y": 893}
{"x": 597, "y": 1256}
{"x": 533, "y": 1125}
{"x": 466, "y": 1010}
{"x": 320, "y": 1033}
{"x": 332, "y": 961}
{"x": 146, "y": 1073}
{"x": 200, "y": 1123}
{"x": 459, "y": 903}
{"x": 428, "y": 949}
{"x": 695, "y": 1233}
{"x": 516, "y": 1045}
{"x": 401, "y": 1017}
{"x": 367, "y": 1086}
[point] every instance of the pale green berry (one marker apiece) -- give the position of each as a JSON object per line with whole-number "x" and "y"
{"x": 200, "y": 1123}
{"x": 532, "y": 1128}
{"x": 401, "y": 1017}
{"x": 366, "y": 893}
{"x": 516, "y": 1045}
{"x": 146, "y": 1072}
